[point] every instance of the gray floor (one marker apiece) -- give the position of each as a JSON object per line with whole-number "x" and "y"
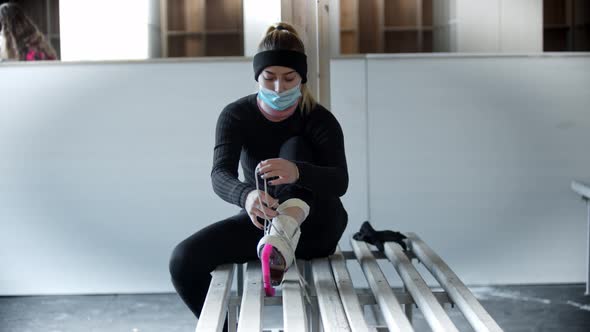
{"x": 515, "y": 308}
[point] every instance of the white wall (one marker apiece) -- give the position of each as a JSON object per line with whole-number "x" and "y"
{"x": 476, "y": 155}
{"x": 86, "y": 27}
{"x": 154, "y": 29}
{"x": 521, "y": 26}
{"x": 349, "y": 104}
{"x": 105, "y": 167}
{"x": 108, "y": 167}
{"x": 488, "y": 26}
{"x": 444, "y": 17}
{"x": 477, "y": 26}
{"x": 258, "y": 16}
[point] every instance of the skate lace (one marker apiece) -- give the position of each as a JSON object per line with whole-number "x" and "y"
{"x": 268, "y": 225}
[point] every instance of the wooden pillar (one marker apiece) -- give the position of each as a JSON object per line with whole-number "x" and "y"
{"x": 315, "y": 22}
{"x": 324, "y": 50}
{"x": 302, "y": 14}
{"x": 164, "y": 28}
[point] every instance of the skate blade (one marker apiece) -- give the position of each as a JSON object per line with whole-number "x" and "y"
{"x": 265, "y": 261}
{"x": 277, "y": 268}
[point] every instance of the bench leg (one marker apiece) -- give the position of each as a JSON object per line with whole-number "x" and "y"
{"x": 232, "y": 318}
{"x": 588, "y": 257}
{"x": 408, "y": 307}
{"x": 375, "y": 312}
{"x": 313, "y": 309}
{"x": 315, "y": 317}
{"x": 233, "y": 310}
{"x": 240, "y": 279}
{"x": 240, "y": 293}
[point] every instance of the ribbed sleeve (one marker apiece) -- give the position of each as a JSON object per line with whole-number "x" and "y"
{"x": 226, "y": 156}
{"x": 328, "y": 174}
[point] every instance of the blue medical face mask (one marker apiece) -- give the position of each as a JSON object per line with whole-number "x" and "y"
{"x": 280, "y": 101}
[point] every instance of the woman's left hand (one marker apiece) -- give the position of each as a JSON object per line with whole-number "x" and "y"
{"x": 282, "y": 170}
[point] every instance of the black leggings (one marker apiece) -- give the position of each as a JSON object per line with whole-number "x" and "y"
{"x": 234, "y": 240}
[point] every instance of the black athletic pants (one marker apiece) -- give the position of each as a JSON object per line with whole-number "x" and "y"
{"x": 234, "y": 240}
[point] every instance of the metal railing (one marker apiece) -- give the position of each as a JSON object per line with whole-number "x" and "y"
{"x": 584, "y": 191}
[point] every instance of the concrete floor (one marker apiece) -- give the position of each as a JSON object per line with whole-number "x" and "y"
{"x": 515, "y": 308}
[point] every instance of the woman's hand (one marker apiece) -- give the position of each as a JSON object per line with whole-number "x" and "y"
{"x": 282, "y": 170}
{"x": 254, "y": 208}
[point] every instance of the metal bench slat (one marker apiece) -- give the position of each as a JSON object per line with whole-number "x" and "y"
{"x": 473, "y": 311}
{"x": 294, "y": 317}
{"x": 390, "y": 308}
{"x": 330, "y": 305}
{"x": 252, "y": 300}
{"x": 348, "y": 295}
{"x": 213, "y": 313}
{"x": 433, "y": 312}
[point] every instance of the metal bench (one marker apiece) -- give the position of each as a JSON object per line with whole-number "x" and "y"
{"x": 335, "y": 304}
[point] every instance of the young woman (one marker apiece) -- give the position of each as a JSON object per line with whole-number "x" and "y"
{"x": 292, "y": 153}
{"x": 20, "y": 39}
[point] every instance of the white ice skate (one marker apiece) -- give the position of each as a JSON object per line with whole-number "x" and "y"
{"x": 276, "y": 249}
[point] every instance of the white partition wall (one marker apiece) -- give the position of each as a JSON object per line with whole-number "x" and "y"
{"x": 350, "y": 107}
{"x": 105, "y": 167}
{"x": 476, "y": 155}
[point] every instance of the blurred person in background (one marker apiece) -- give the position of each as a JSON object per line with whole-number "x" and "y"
{"x": 20, "y": 38}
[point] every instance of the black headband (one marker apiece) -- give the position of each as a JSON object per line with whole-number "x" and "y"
{"x": 285, "y": 58}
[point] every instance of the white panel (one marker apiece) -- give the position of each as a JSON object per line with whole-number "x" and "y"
{"x": 476, "y": 155}
{"x": 349, "y": 105}
{"x": 452, "y": 9}
{"x": 154, "y": 30}
{"x": 440, "y": 17}
{"x": 506, "y": 26}
{"x": 85, "y": 35}
{"x": 106, "y": 169}
{"x": 258, "y": 16}
{"x": 334, "y": 13}
{"x": 521, "y": 26}
{"x": 478, "y": 26}
{"x": 445, "y": 26}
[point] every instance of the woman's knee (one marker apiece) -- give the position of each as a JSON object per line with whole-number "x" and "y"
{"x": 179, "y": 261}
{"x": 187, "y": 260}
{"x": 216, "y": 244}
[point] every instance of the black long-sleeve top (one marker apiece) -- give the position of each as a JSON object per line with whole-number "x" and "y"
{"x": 244, "y": 134}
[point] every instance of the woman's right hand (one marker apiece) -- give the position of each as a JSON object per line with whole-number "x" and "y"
{"x": 254, "y": 209}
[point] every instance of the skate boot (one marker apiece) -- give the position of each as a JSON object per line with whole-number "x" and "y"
{"x": 277, "y": 248}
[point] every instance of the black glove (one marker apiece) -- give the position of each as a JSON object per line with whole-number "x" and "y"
{"x": 376, "y": 238}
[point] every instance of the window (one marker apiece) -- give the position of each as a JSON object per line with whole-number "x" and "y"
{"x": 414, "y": 26}
{"x": 385, "y": 26}
{"x": 193, "y": 28}
{"x": 566, "y": 25}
